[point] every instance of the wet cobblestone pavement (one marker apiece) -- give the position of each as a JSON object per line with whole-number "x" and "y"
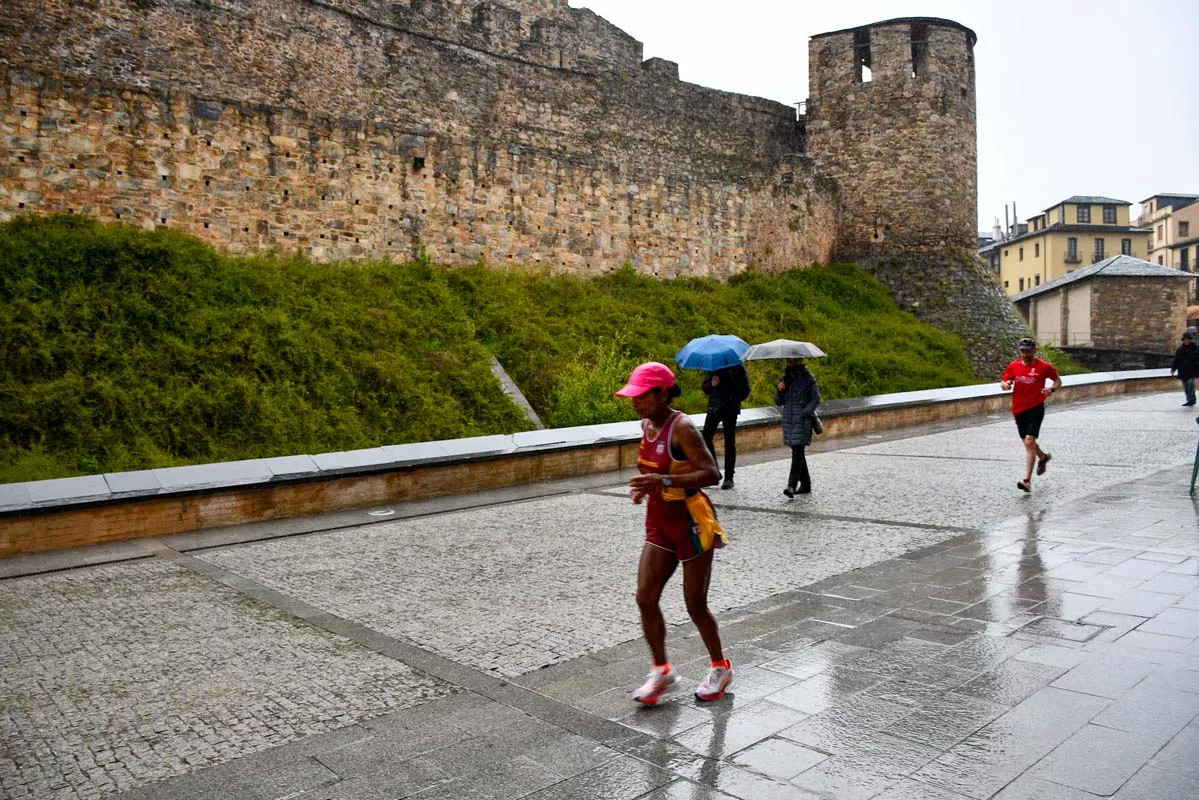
{"x": 914, "y": 629}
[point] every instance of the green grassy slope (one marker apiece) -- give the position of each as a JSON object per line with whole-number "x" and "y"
{"x": 123, "y": 349}
{"x": 126, "y": 350}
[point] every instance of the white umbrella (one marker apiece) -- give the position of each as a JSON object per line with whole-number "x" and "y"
{"x": 783, "y": 348}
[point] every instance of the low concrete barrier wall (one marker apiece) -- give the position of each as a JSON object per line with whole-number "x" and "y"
{"x": 73, "y": 512}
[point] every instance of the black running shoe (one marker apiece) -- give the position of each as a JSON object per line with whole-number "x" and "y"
{"x": 1041, "y": 462}
{"x": 1024, "y": 486}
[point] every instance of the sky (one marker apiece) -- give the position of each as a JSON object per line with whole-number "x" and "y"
{"x": 1086, "y": 98}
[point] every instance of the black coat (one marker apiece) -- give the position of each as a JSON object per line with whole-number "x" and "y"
{"x": 726, "y": 398}
{"x": 799, "y": 397}
{"x": 1186, "y": 361}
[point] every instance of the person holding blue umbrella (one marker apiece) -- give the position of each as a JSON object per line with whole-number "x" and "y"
{"x": 726, "y": 389}
{"x": 726, "y": 383}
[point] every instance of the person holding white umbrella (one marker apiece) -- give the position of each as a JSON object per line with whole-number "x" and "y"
{"x": 799, "y": 396}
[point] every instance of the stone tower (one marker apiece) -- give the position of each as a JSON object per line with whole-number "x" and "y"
{"x": 891, "y": 118}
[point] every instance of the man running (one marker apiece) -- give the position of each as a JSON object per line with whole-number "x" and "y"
{"x": 1028, "y": 375}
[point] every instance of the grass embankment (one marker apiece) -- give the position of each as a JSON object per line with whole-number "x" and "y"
{"x": 129, "y": 350}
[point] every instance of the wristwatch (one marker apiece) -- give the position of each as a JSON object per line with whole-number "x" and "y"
{"x": 666, "y": 481}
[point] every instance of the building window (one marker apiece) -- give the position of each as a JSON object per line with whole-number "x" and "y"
{"x": 1037, "y": 279}
{"x": 1109, "y": 215}
{"x": 1061, "y": 215}
{"x": 861, "y": 54}
{"x": 1185, "y": 264}
{"x": 1126, "y": 246}
{"x": 1021, "y": 253}
{"x": 1022, "y": 284}
{"x": 1161, "y": 261}
{"x": 1072, "y": 250}
{"x": 1160, "y": 234}
{"x": 1084, "y": 213}
{"x": 919, "y": 48}
{"x": 1005, "y": 252}
{"x": 1098, "y": 249}
{"x": 1005, "y": 284}
{"x": 1036, "y": 250}
{"x": 1184, "y": 229}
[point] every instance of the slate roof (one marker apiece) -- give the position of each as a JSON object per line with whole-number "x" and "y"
{"x": 1090, "y": 200}
{"x": 1114, "y": 267}
{"x": 1172, "y": 196}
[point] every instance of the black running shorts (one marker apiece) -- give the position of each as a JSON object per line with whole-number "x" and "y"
{"x": 1029, "y": 422}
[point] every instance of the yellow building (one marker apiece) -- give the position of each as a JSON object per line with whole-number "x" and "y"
{"x": 1074, "y": 233}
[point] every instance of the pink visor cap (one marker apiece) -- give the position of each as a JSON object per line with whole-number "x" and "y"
{"x": 650, "y": 375}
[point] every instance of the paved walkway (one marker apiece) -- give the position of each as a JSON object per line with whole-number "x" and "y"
{"x": 915, "y": 628}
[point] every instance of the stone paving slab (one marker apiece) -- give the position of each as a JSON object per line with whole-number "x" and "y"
{"x": 1129, "y": 426}
{"x": 948, "y": 493}
{"x": 488, "y": 587}
{"x": 1047, "y": 648}
{"x": 115, "y": 675}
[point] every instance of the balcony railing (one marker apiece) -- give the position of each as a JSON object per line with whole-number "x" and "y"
{"x": 1073, "y": 259}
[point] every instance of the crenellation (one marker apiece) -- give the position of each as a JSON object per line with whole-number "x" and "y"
{"x": 496, "y": 20}
{"x": 659, "y": 69}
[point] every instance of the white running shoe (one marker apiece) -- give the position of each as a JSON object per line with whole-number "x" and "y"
{"x": 659, "y": 681}
{"x": 715, "y": 685}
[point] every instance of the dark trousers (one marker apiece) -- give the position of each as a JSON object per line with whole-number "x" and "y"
{"x": 799, "y": 469}
{"x": 727, "y": 419}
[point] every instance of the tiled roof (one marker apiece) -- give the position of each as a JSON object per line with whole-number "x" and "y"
{"x": 1114, "y": 267}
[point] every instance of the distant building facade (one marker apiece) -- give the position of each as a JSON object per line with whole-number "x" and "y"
{"x": 1173, "y": 223}
{"x": 1073, "y": 233}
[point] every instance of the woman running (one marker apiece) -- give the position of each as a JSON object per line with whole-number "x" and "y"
{"x": 680, "y": 526}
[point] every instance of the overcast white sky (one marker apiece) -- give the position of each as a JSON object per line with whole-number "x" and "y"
{"x": 1096, "y": 97}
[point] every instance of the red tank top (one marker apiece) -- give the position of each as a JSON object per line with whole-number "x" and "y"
{"x": 655, "y": 456}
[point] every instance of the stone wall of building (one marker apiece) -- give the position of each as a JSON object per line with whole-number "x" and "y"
{"x": 362, "y": 128}
{"x": 902, "y": 144}
{"x": 1147, "y": 314}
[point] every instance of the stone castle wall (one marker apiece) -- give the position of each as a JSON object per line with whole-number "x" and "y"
{"x": 526, "y": 133}
{"x": 953, "y": 289}
{"x": 902, "y": 145}
{"x": 362, "y": 128}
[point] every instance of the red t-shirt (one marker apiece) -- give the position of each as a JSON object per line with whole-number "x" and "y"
{"x": 1028, "y": 382}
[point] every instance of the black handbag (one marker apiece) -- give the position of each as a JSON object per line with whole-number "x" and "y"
{"x": 817, "y": 425}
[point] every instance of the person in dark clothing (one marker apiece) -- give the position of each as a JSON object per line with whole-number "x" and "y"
{"x": 726, "y": 389}
{"x": 799, "y": 396}
{"x": 1186, "y": 366}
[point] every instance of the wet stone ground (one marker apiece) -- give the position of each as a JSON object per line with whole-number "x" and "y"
{"x": 914, "y": 629}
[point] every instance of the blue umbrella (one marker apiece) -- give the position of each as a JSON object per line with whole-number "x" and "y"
{"x": 712, "y": 352}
